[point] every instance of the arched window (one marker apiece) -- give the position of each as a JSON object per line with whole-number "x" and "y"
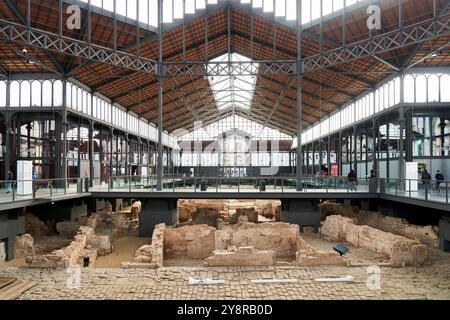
{"x": 46, "y": 93}
{"x": 68, "y": 95}
{"x": 36, "y": 94}
{"x": 421, "y": 88}
{"x": 391, "y": 94}
{"x": 79, "y": 99}
{"x": 58, "y": 93}
{"x": 445, "y": 88}
{"x": 397, "y": 90}
{"x": 74, "y": 97}
{"x": 25, "y": 94}
{"x": 2, "y": 94}
{"x": 409, "y": 88}
{"x": 433, "y": 88}
{"x": 386, "y": 96}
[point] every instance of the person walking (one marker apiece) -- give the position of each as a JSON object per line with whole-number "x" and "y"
{"x": 439, "y": 179}
{"x": 352, "y": 180}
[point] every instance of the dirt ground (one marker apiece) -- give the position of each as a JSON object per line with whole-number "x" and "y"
{"x": 124, "y": 250}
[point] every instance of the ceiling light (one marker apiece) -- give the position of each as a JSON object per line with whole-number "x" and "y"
{"x": 24, "y": 51}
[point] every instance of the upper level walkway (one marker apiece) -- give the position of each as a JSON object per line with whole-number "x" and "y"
{"x": 432, "y": 194}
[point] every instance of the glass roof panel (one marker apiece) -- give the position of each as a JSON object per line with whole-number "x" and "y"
{"x": 233, "y": 91}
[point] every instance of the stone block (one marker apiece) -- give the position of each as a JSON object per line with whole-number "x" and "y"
{"x": 68, "y": 229}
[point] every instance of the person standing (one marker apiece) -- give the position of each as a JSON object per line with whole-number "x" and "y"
{"x": 10, "y": 178}
{"x": 439, "y": 179}
{"x": 352, "y": 180}
{"x": 426, "y": 177}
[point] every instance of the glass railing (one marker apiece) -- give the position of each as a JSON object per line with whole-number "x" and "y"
{"x": 19, "y": 190}
{"x": 428, "y": 190}
{"x": 235, "y": 184}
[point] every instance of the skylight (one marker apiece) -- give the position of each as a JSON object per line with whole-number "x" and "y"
{"x": 233, "y": 91}
{"x": 231, "y": 125}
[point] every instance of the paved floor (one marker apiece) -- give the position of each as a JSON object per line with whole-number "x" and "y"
{"x": 432, "y": 282}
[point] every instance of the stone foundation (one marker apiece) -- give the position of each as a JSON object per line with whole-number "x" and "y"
{"x": 425, "y": 234}
{"x": 244, "y": 256}
{"x": 402, "y": 251}
{"x": 308, "y": 256}
{"x": 280, "y": 237}
{"x": 192, "y": 242}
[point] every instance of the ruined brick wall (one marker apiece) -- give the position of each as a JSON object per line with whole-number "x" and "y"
{"x": 34, "y": 226}
{"x": 401, "y": 250}
{"x": 65, "y": 257}
{"x": 68, "y": 229}
{"x": 188, "y": 209}
{"x": 280, "y": 237}
{"x": 84, "y": 242}
{"x": 425, "y": 234}
{"x": 194, "y": 242}
{"x": 23, "y": 246}
{"x": 150, "y": 256}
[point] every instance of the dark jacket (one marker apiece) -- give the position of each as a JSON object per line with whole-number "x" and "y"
{"x": 439, "y": 177}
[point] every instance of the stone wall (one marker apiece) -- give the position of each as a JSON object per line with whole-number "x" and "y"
{"x": 425, "y": 234}
{"x": 250, "y": 213}
{"x": 150, "y": 256}
{"x": 401, "y": 250}
{"x": 245, "y": 256}
{"x": 63, "y": 258}
{"x": 68, "y": 229}
{"x": 23, "y": 246}
{"x": 2, "y": 251}
{"x": 188, "y": 209}
{"x": 34, "y": 226}
{"x": 280, "y": 237}
{"x": 192, "y": 242}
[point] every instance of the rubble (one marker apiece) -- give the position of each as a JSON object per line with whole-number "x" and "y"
{"x": 402, "y": 251}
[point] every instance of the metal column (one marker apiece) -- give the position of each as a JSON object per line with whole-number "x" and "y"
{"x": 160, "y": 165}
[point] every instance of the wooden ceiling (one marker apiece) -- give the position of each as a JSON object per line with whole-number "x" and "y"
{"x": 189, "y": 98}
